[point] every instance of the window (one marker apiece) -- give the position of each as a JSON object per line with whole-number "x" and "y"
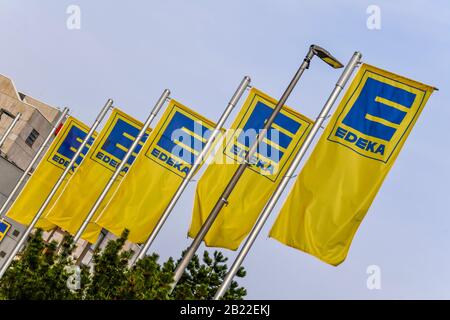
{"x": 32, "y": 138}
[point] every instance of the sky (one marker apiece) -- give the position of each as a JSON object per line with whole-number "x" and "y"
{"x": 200, "y": 50}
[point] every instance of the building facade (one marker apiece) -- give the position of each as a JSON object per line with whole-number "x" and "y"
{"x": 27, "y": 136}
{"x": 29, "y": 133}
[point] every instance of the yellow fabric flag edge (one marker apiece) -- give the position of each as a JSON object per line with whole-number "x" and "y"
{"x": 254, "y": 91}
{"x": 59, "y": 219}
{"x": 93, "y": 230}
{"x": 192, "y": 112}
{"x": 57, "y": 141}
{"x": 259, "y": 95}
{"x": 428, "y": 91}
{"x": 173, "y": 106}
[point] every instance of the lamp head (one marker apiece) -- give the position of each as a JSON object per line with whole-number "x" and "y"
{"x": 326, "y": 56}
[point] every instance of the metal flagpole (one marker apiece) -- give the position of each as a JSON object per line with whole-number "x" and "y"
{"x": 99, "y": 242}
{"x": 55, "y": 188}
{"x": 223, "y": 199}
{"x": 98, "y": 202}
{"x": 345, "y": 76}
{"x": 33, "y": 161}
{"x": 9, "y": 129}
{"x": 234, "y": 100}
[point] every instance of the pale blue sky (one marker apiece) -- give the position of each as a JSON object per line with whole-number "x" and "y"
{"x": 201, "y": 50}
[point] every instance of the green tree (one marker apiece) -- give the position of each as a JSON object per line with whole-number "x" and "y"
{"x": 202, "y": 280}
{"x": 110, "y": 271}
{"x": 113, "y": 279}
{"x": 41, "y": 272}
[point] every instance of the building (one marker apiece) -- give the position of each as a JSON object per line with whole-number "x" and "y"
{"x": 29, "y": 133}
{"x": 27, "y": 136}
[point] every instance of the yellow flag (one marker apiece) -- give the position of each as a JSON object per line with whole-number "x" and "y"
{"x": 259, "y": 181}
{"x": 52, "y": 165}
{"x": 86, "y": 184}
{"x": 347, "y": 167}
{"x": 147, "y": 189}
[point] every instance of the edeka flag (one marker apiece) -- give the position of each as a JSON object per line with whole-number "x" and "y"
{"x": 259, "y": 181}
{"x": 52, "y": 165}
{"x": 145, "y": 192}
{"x": 89, "y": 180}
{"x": 347, "y": 167}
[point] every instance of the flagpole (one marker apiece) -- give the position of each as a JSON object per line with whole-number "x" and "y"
{"x": 233, "y": 102}
{"x": 165, "y": 95}
{"x": 345, "y": 76}
{"x": 55, "y": 188}
{"x": 223, "y": 199}
{"x": 10, "y": 128}
{"x": 33, "y": 161}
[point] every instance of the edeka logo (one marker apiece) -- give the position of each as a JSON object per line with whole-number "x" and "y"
{"x": 272, "y": 149}
{"x": 178, "y": 143}
{"x": 115, "y": 144}
{"x": 374, "y": 123}
{"x": 69, "y": 146}
{"x": 4, "y": 227}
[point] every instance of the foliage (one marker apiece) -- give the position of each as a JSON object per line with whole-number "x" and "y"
{"x": 201, "y": 281}
{"x": 42, "y": 271}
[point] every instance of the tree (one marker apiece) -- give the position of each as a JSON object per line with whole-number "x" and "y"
{"x": 110, "y": 271}
{"x": 201, "y": 281}
{"x": 41, "y": 272}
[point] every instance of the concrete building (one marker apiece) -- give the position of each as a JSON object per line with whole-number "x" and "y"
{"x": 21, "y": 144}
{"x": 34, "y": 125}
{"x": 9, "y": 174}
